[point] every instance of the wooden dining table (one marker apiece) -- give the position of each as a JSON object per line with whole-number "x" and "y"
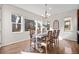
{"x": 40, "y": 37}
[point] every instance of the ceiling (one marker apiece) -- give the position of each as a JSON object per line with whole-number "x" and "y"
{"x": 53, "y": 8}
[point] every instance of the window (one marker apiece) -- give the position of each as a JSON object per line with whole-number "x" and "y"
{"x": 16, "y": 23}
{"x": 45, "y": 26}
{"x": 29, "y": 24}
{"x": 67, "y": 24}
{"x": 38, "y": 28}
{"x": 56, "y": 24}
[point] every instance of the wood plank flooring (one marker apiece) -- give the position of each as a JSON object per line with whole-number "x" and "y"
{"x": 65, "y": 47}
{"x": 14, "y": 48}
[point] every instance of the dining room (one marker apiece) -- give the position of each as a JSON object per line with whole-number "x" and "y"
{"x": 39, "y": 28}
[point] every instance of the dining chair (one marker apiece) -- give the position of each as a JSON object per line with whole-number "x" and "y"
{"x": 56, "y": 36}
{"x": 50, "y": 40}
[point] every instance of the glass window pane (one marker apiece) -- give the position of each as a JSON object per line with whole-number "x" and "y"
{"x": 16, "y": 27}
{"x": 29, "y": 24}
{"x": 13, "y": 17}
{"x": 16, "y": 19}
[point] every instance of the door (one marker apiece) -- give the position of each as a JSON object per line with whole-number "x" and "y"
{"x": 78, "y": 26}
{"x": 0, "y": 27}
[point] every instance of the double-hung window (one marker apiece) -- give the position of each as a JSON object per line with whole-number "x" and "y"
{"x": 16, "y": 23}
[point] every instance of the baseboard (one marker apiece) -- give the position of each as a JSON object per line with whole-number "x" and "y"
{"x": 71, "y": 40}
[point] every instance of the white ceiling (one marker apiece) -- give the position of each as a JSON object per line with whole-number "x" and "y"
{"x": 40, "y": 8}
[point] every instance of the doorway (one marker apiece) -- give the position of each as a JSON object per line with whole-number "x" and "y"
{"x": 78, "y": 26}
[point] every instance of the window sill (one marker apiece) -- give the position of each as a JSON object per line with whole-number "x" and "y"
{"x": 21, "y": 32}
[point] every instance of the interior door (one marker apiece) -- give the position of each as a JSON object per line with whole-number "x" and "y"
{"x": 0, "y": 28}
{"x": 78, "y": 26}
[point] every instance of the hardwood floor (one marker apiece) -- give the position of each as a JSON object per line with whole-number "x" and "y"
{"x": 65, "y": 46}
{"x": 14, "y": 48}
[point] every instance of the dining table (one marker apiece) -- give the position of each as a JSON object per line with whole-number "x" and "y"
{"x": 38, "y": 38}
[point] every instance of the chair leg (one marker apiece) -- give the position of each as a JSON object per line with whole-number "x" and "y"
{"x": 57, "y": 42}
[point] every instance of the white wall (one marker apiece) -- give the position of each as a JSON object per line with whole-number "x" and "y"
{"x": 66, "y": 35}
{"x": 8, "y": 36}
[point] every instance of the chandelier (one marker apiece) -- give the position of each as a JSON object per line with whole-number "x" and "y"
{"x": 46, "y": 12}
